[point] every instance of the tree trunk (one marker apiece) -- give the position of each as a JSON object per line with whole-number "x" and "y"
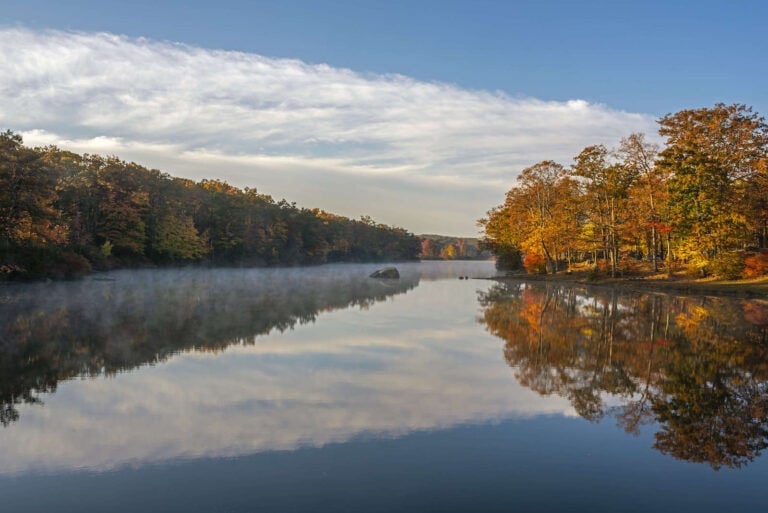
{"x": 550, "y": 262}
{"x": 669, "y": 255}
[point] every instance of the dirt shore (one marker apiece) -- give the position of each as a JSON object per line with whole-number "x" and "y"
{"x": 751, "y": 288}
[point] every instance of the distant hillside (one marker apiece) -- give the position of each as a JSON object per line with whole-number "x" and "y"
{"x": 445, "y": 247}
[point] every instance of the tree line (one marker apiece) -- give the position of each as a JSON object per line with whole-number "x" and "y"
{"x": 699, "y": 203}
{"x": 62, "y": 214}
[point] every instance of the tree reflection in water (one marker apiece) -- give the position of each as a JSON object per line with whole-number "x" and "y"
{"x": 695, "y": 367}
{"x": 54, "y": 332}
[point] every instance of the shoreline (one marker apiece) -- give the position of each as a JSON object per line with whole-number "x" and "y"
{"x": 754, "y": 288}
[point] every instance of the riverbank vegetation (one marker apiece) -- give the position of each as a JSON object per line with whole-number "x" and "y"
{"x": 63, "y": 214}
{"x": 698, "y": 205}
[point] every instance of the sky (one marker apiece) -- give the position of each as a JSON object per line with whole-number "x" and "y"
{"x": 419, "y": 113}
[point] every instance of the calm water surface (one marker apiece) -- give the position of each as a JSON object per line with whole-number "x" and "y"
{"x": 324, "y": 390}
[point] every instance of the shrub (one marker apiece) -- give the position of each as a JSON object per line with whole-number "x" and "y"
{"x": 756, "y": 265}
{"x": 535, "y": 263}
{"x": 70, "y": 265}
{"x": 697, "y": 268}
{"x": 507, "y": 258}
{"x": 631, "y": 266}
{"x": 728, "y": 265}
{"x": 34, "y": 263}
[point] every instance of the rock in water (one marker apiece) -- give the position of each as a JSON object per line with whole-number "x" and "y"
{"x": 387, "y": 272}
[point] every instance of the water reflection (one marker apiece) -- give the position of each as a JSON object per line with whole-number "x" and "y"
{"x": 124, "y": 320}
{"x": 694, "y": 367}
{"x": 173, "y": 365}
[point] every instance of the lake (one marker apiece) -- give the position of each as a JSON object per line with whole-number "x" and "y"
{"x": 320, "y": 389}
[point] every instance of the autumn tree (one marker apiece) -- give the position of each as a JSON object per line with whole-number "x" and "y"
{"x": 569, "y": 218}
{"x": 171, "y": 231}
{"x": 756, "y": 201}
{"x": 647, "y": 195}
{"x": 461, "y": 248}
{"x": 502, "y": 236}
{"x": 428, "y": 249}
{"x": 123, "y": 206}
{"x": 539, "y": 217}
{"x": 27, "y": 195}
{"x": 712, "y": 156}
{"x": 448, "y": 252}
{"x": 537, "y": 200}
{"x": 607, "y": 184}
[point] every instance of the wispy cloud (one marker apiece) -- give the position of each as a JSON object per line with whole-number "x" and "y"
{"x": 355, "y": 143}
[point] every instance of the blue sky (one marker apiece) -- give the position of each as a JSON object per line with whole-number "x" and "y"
{"x": 626, "y": 63}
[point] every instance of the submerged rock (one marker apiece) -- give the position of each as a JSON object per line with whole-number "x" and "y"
{"x": 387, "y": 272}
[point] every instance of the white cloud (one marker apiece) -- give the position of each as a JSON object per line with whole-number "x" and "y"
{"x": 305, "y": 132}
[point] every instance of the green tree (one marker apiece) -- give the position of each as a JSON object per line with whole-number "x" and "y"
{"x": 502, "y": 236}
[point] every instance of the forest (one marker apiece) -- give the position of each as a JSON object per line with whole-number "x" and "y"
{"x": 63, "y": 214}
{"x": 699, "y": 204}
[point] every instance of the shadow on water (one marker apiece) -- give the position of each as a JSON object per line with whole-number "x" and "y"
{"x": 694, "y": 368}
{"x": 54, "y": 332}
